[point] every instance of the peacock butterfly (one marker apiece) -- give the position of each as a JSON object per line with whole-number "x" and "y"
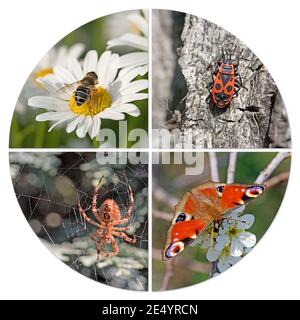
{"x": 204, "y": 204}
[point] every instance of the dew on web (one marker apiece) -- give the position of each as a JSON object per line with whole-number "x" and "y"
{"x": 48, "y": 187}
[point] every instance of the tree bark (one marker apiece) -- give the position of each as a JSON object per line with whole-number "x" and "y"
{"x": 167, "y": 80}
{"x": 256, "y": 118}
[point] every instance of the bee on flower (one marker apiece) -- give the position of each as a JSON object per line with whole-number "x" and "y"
{"x": 80, "y": 95}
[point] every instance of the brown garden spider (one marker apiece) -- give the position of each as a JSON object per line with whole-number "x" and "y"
{"x": 108, "y": 217}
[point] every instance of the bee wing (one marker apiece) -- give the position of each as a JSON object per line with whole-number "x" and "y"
{"x": 68, "y": 89}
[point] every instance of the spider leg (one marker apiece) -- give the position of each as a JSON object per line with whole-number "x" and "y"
{"x": 124, "y": 236}
{"x": 129, "y": 212}
{"x": 115, "y": 249}
{"x": 94, "y": 203}
{"x": 86, "y": 218}
{"x": 120, "y": 228}
{"x": 99, "y": 243}
{"x": 122, "y": 221}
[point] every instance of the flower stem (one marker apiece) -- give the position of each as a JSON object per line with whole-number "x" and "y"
{"x": 40, "y": 135}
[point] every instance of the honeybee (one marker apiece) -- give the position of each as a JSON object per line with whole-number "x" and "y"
{"x": 82, "y": 89}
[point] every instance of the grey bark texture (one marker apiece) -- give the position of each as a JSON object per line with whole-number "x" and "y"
{"x": 256, "y": 118}
{"x": 162, "y": 69}
{"x": 167, "y": 80}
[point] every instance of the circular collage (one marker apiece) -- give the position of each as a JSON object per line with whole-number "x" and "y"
{"x": 150, "y": 150}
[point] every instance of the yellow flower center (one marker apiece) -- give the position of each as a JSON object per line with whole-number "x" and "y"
{"x": 43, "y": 72}
{"x": 99, "y": 100}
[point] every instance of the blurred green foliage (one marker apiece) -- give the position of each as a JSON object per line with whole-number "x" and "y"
{"x": 265, "y": 208}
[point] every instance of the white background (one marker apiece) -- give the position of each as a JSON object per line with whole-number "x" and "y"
{"x": 29, "y": 28}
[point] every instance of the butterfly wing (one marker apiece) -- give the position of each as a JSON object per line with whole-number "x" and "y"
{"x": 193, "y": 213}
{"x": 204, "y": 204}
{"x": 234, "y": 195}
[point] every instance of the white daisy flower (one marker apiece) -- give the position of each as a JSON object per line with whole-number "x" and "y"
{"x": 114, "y": 94}
{"x": 57, "y": 56}
{"x": 138, "y": 40}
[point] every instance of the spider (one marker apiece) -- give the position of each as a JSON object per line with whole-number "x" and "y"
{"x": 108, "y": 218}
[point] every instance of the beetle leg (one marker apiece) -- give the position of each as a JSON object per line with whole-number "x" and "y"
{"x": 209, "y": 86}
{"x": 208, "y": 99}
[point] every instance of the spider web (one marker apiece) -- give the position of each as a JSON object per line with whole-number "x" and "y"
{"x": 48, "y": 187}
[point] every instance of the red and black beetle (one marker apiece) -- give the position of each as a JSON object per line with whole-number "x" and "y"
{"x": 226, "y": 83}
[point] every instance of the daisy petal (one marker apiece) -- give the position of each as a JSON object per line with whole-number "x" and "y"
{"x": 130, "y": 40}
{"x": 134, "y": 87}
{"x": 140, "y": 22}
{"x": 90, "y": 62}
{"x": 111, "y": 114}
{"x": 74, "y": 65}
{"x": 54, "y": 116}
{"x": 47, "y": 102}
{"x": 95, "y": 127}
{"x": 134, "y": 97}
{"x": 65, "y": 75}
{"x": 129, "y": 73}
{"x": 76, "y": 50}
{"x": 133, "y": 59}
{"x": 61, "y": 54}
{"x": 144, "y": 70}
{"x": 128, "y": 108}
{"x": 83, "y": 127}
{"x": 49, "y": 85}
{"x": 107, "y": 68}
{"x": 65, "y": 118}
{"x": 73, "y": 124}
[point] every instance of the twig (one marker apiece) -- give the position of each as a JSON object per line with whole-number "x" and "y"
{"x": 231, "y": 167}
{"x": 214, "y": 268}
{"x": 281, "y": 177}
{"x": 168, "y": 274}
{"x": 162, "y": 196}
{"x": 272, "y": 166}
{"x": 162, "y": 215}
{"x": 213, "y": 163}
